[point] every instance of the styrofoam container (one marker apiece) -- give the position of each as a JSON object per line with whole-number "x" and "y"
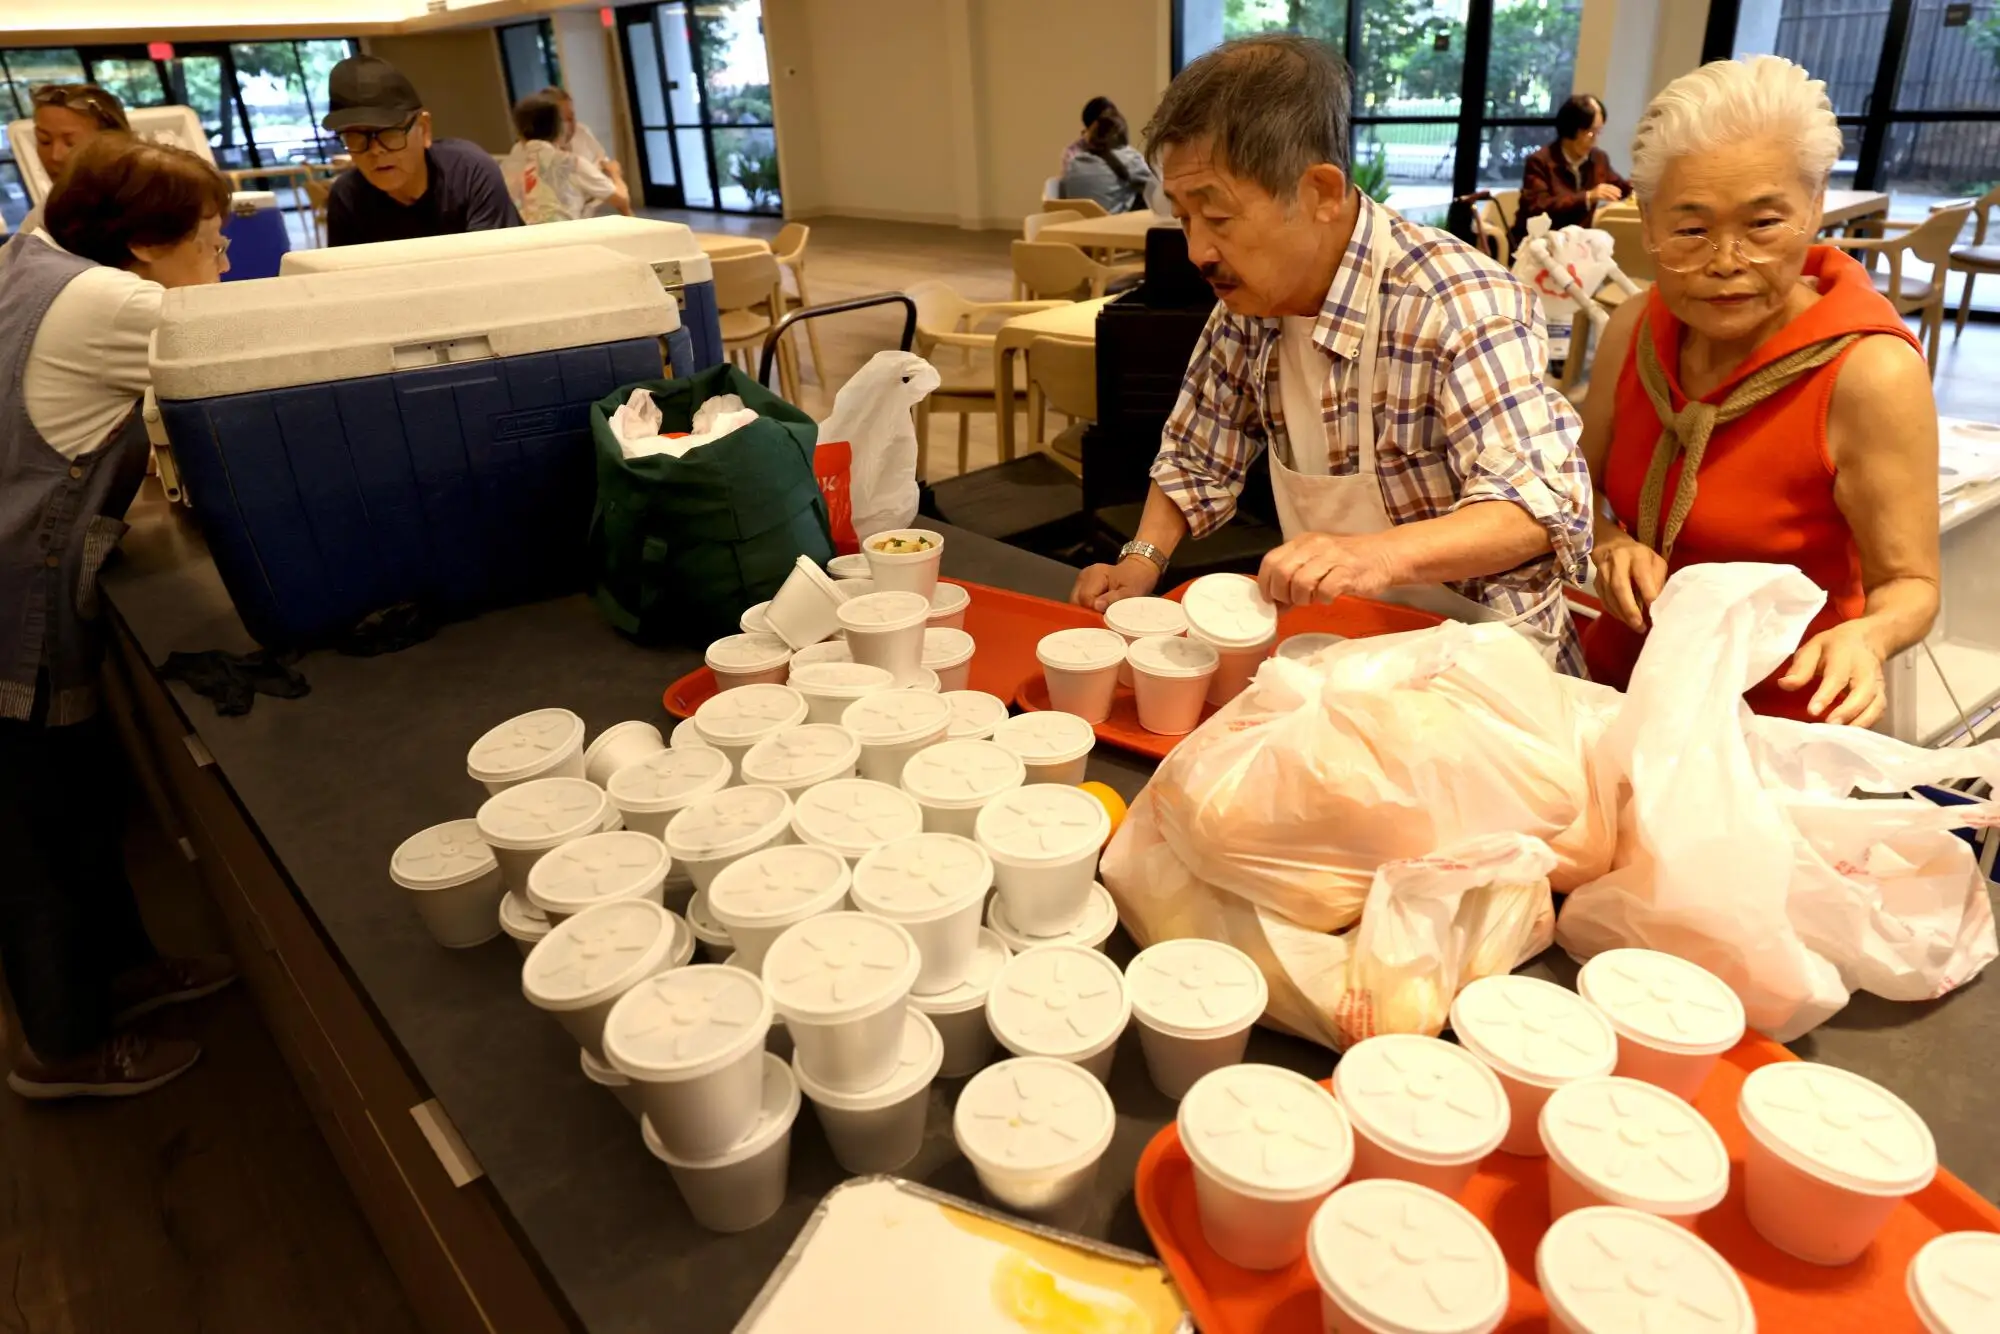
{"x": 1423, "y": 1110}
{"x": 1143, "y": 618}
{"x": 1196, "y": 1002}
{"x": 853, "y": 565}
{"x": 522, "y": 822}
{"x": 585, "y": 964}
{"x": 805, "y": 609}
{"x": 1632, "y": 1144}
{"x": 841, "y": 980}
{"x": 755, "y": 898}
{"x": 854, "y": 816}
{"x": 1674, "y": 1019}
{"x": 547, "y": 743}
{"x": 602, "y": 1075}
{"x": 522, "y": 922}
{"x": 974, "y": 715}
{"x": 960, "y": 1013}
{"x": 926, "y": 680}
{"x": 948, "y": 652}
{"x": 1054, "y": 745}
{"x": 454, "y": 881}
{"x": 1304, "y": 648}
{"x": 686, "y": 736}
{"x": 1536, "y": 1036}
{"x": 886, "y": 630}
{"x": 748, "y": 660}
{"x": 692, "y": 1040}
{"x": 1044, "y": 840}
{"x": 949, "y": 603}
{"x": 933, "y": 886}
{"x": 850, "y": 589}
{"x": 1234, "y": 669}
{"x": 619, "y": 745}
{"x": 882, "y": 1129}
{"x": 1954, "y": 1283}
{"x": 904, "y": 572}
{"x": 1231, "y": 612}
{"x": 802, "y": 757}
{"x": 893, "y": 725}
{"x": 829, "y": 687}
{"x": 598, "y": 868}
{"x": 711, "y": 937}
{"x": 1062, "y": 1001}
{"x": 612, "y": 819}
{"x": 735, "y": 720}
{"x": 732, "y": 823}
{"x": 1081, "y": 666}
{"x": 1170, "y": 676}
{"x": 1620, "y": 1271}
{"x": 954, "y": 780}
{"x": 833, "y": 650}
{"x": 1268, "y": 1146}
{"x": 1099, "y": 920}
{"x": 1393, "y": 1257}
{"x": 1831, "y": 1155}
{"x": 1034, "y": 1130}
{"x": 650, "y": 792}
{"x": 744, "y": 1185}
{"x": 753, "y": 621}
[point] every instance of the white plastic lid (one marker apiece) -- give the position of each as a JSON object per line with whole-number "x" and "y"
{"x": 1422, "y": 1098}
{"x": 854, "y": 815}
{"x": 839, "y": 967}
{"x": 596, "y": 868}
{"x": 754, "y": 622}
{"x": 897, "y": 717}
{"x": 854, "y": 565}
{"x": 1042, "y": 823}
{"x": 521, "y": 919}
{"x": 730, "y": 823}
{"x": 748, "y": 653}
{"x": 1637, "y": 1145}
{"x": 597, "y": 953}
{"x": 1173, "y": 656}
{"x": 1839, "y": 1127}
{"x": 1299, "y": 648}
{"x": 948, "y": 599}
{"x": 778, "y": 886}
{"x": 1663, "y": 1002}
{"x": 1048, "y": 737}
{"x": 1400, "y": 1256}
{"x": 1058, "y": 1000}
{"x": 880, "y": 613}
{"x": 597, "y": 1072}
{"x": 916, "y": 1066}
{"x": 853, "y": 588}
{"x": 686, "y": 736}
{"x": 442, "y": 856}
{"x": 1266, "y": 1132}
{"x": 989, "y": 956}
{"x": 839, "y": 679}
{"x": 923, "y": 678}
{"x": 945, "y": 647}
{"x": 523, "y": 744}
{"x": 778, "y": 1108}
{"x": 1099, "y": 920}
{"x": 1230, "y": 611}
{"x": 922, "y": 878}
{"x": 686, "y": 1022}
{"x": 703, "y": 924}
{"x": 748, "y": 714}
{"x": 1606, "y": 1270}
{"x": 959, "y": 775}
{"x": 541, "y": 813}
{"x": 1034, "y": 1114}
{"x": 1081, "y": 649}
{"x": 1138, "y": 618}
{"x": 1533, "y": 1031}
{"x": 812, "y": 753}
{"x": 1955, "y": 1283}
{"x": 974, "y": 714}
{"x": 1196, "y": 988}
{"x": 830, "y": 650}
{"x": 667, "y": 780}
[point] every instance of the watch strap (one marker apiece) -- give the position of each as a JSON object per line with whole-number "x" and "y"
{"x": 1145, "y": 549}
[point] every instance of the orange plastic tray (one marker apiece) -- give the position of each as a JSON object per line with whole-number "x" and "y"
{"x": 1004, "y": 625}
{"x": 1510, "y": 1195}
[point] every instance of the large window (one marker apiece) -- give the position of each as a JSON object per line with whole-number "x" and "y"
{"x": 701, "y": 99}
{"x": 528, "y": 50}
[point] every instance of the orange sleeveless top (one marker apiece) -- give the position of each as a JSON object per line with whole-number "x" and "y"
{"x": 1766, "y": 489}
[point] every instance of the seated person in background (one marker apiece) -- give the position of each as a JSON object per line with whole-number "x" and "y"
{"x": 547, "y": 181}
{"x": 67, "y": 116}
{"x": 404, "y": 183}
{"x": 78, "y": 305}
{"x": 582, "y": 142}
{"x": 1092, "y": 109}
{"x": 1109, "y": 170}
{"x": 1571, "y": 177}
{"x": 1767, "y": 369}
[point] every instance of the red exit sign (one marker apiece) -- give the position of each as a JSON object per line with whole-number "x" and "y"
{"x": 160, "y": 50}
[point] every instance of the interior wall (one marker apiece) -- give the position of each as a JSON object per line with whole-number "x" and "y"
{"x": 1627, "y": 50}
{"x": 591, "y": 77}
{"x": 459, "y": 76}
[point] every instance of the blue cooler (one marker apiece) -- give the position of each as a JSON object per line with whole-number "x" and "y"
{"x": 668, "y": 248}
{"x": 256, "y": 231}
{"x": 351, "y": 441}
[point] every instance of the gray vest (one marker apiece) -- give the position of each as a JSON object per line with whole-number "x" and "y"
{"x": 59, "y": 518}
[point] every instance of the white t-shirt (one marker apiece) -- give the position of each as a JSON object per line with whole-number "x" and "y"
{"x": 89, "y": 361}
{"x": 550, "y": 184}
{"x": 1303, "y": 372}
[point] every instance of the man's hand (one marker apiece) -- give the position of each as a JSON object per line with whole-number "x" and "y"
{"x": 1101, "y": 585}
{"x": 1606, "y": 193}
{"x": 1630, "y": 575}
{"x": 1844, "y": 658}
{"x": 1320, "y": 567}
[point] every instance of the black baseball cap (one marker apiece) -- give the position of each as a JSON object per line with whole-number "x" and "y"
{"x": 368, "y": 92}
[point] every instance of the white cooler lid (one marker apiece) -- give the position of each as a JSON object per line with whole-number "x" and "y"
{"x": 179, "y": 126}
{"x": 1139, "y": 618}
{"x": 667, "y": 248}
{"x": 945, "y": 647}
{"x": 922, "y": 878}
{"x": 1081, "y": 649}
{"x": 752, "y": 651}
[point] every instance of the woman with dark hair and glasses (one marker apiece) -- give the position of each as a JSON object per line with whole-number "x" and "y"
{"x": 1109, "y": 170}
{"x": 1570, "y": 178}
{"x": 67, "y": 116}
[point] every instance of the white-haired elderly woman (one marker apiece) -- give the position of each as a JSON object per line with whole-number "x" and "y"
{"x": 1762, "y": 403}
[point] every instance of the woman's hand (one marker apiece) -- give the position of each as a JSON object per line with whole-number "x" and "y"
{"x": 1630, "y": 575}
{"x": 1606, "y": 193}
{"x": 1844, "y": 658}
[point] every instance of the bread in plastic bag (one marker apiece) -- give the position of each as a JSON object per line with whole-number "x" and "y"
{"x": 871, "y": 415}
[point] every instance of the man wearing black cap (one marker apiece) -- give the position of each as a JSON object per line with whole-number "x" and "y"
{"x": 404, "y": 183}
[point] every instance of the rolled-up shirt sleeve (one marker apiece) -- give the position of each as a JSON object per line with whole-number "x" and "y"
{"x": 1212, "y": 436}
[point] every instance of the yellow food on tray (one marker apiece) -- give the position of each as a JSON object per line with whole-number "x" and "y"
{"x": 900, "y": 546}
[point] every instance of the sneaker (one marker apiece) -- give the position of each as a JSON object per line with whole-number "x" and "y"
{"x": 123, "y": 1067}
{"x": 169, "y": 982}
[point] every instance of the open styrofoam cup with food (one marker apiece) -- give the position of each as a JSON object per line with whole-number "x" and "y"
{"x": 933, "y": 886}
{"x": 619, "y": 745}
{"x": 748, "y": 660}
{"x": 886, "y": 630}
{"x": 735, "y": 1190}
{"x": 881, "y": 1129}
{"x": 949, "y": 603}
{"x": 829, "y": 687}
{"x": 1034, "y": 1130}
{"x": 832, "y": 650}
{"x": 1062, "y": 1001}
{"x": 1080, "y": 666}
{"x": 1268, "y": 1146}
{"x": 892, "y": 726}
{"x": 735, "y": 720}
{"x": 1537, "y": 1037}
{"x": 608, "y": 1079}
{"x": 581, "y": 968}
{"x": 1954, "y": 1283}
{"x": 598, "y": 868}
{"x": 954, "y": 780}
{"x": 1195, "y": 1002}
{"x": 1143, "y": 618}
{"x": 522, "y": 922}
{"x": 1674, "y": 1018}
{"x": 840, "y": 980}
{"x": 547, "y": 743}
{"x": 692, "y": 1040}
{"x": 805, "y": 608}
{"x": 1393, "y": 1257}
{"x": 1054, "y": 745}
{"x": 1091, "y": 930}
{"x": 1170, "y": 676}
{"x": 711, "y": 937}
{"x": 1619, "y": 1141}
{"x": 1306, "y": 647}
{"x": 854, "y": 816}
{"x": 1044, "y": 840}
{"x": 853, "y": 565}
{"x": 649, "y": 792}
{"x": 1230, "y": 612}
{"x": 756, "y": 897}
{"x": 948, "y": 652}
{"x": 975, "y": 715}
{"x": 732, "y": 823}
{"x": 904, "y": 560}
{"x": 960, "y": 1013}
{"x": 522, "y": 822}
{"x": 454, "y": 882}
{"x": 802, "y": 757}
{"x": 1422, "y": 1109}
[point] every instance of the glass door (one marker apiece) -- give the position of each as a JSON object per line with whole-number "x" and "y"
{"x": 701, "y": 97}
{"x": 203, "y": 79}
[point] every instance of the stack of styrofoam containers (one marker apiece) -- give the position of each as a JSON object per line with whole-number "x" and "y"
{"x": 1044, "y": 840}
{"x": 711, "y": 937}
{"x": 1618, "y": 1141}
{"x": 949, "y": 603}
{"x": 1061, "y": 1001}
{"x": 1395, "y": 1256}
{"x": 1230, "y": 613}
{"x": 1081, "y": 666}
{"x": 959, "y": 1013}
{"x": 805, "y": 609}
{"x": 830, "y": 686}
{"x": 953, "y": 781}
{"x": 1537, "y": 1037}
{"x": 893, "y": 725}
{"x": 1034, "y": 1130}
{"x": 738, "y": 719}
{"x": 598, "y": 868}
{"x": 581, "y": 968}
{"x": 881, "y": 1129}
{"x": 1422, "y": 1109}
{"x": 547, "y": 743}
{"x": 1674, "y": 1019}
{"x": 1196, "y": 1002}
{"x": 1268, "y": 1147}
{"x": 886, "y": 630}
{"x": 975, "y": 715}
{"x": 854, "y": 816}
{"x": 522, "y": 922}
{"x": 752, "y": 621}
{"x": 1054, "y": 745}
{"x": 801, "y": 758}
{"x": 650, "y": 792}
{"x": 711, "y": 833}
{"x": 749, "y": 659}
{"x": 755, "y": 898}
{"x": 948, "y": 653}
{"x": 933, "y": 886}
{"x": 455, "y": 882}
{"x": 853, "y": 565}
{"x": 1171, "y": 675}
{"x": 1607, "y": 1269}
{"x": 1091, "y": 930}
{"x": 1143, "y": 618}
{"x": 906, "y": 571}
{"x": 831, "y": 650}
{"x": 531, "y": 818}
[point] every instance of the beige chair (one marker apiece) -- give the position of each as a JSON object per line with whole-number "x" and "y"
{"x": 1927, "y": 242}
{"x": 319, "y": 189}
{"x": 1055, "y": 269}
{"x": 1052, "y": 188}
{"x": 789, "y": 249}
{"x": 1628, "y": 242}
{"x": 1062, "y": 374}
{"x": 950, "y": 338}
{"x": 1089, "y": 208}
{"x": 748, "y": 301}
{"x": 1031, "y": 226}
{"x": 1977, "y": 258}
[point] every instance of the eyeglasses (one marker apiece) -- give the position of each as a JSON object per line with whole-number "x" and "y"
{"x": 222, "y": 251}
{"x": 94, "y": 102}
{"x": 392, "y": 140}
{"x": 1765, "y": 243}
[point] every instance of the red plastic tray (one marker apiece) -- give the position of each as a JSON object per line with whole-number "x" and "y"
{"x": 1510, "y": 1195}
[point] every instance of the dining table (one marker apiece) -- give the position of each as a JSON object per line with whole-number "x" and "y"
{"x": 1118, "y": 231}
{"x": 729, "y": 245}
{"x": 1076, "y": 320}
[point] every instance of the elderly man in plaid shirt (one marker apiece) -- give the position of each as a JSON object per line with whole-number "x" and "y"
{"x": 1461, "y": 489}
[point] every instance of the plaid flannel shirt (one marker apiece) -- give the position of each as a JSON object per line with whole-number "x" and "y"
{"x": 1462, "y": 413}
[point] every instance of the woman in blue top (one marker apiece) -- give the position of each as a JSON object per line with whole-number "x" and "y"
{"x": 1108, "y": 169}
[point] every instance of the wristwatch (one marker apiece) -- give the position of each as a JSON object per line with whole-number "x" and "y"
{"x": 1145, "y": 549}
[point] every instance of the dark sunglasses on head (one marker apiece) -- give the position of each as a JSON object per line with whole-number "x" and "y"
{"x": 394, "y": 139}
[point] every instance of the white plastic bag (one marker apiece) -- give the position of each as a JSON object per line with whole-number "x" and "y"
{"x": 871, "y": 415}
{"x": 637, "y": 418}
